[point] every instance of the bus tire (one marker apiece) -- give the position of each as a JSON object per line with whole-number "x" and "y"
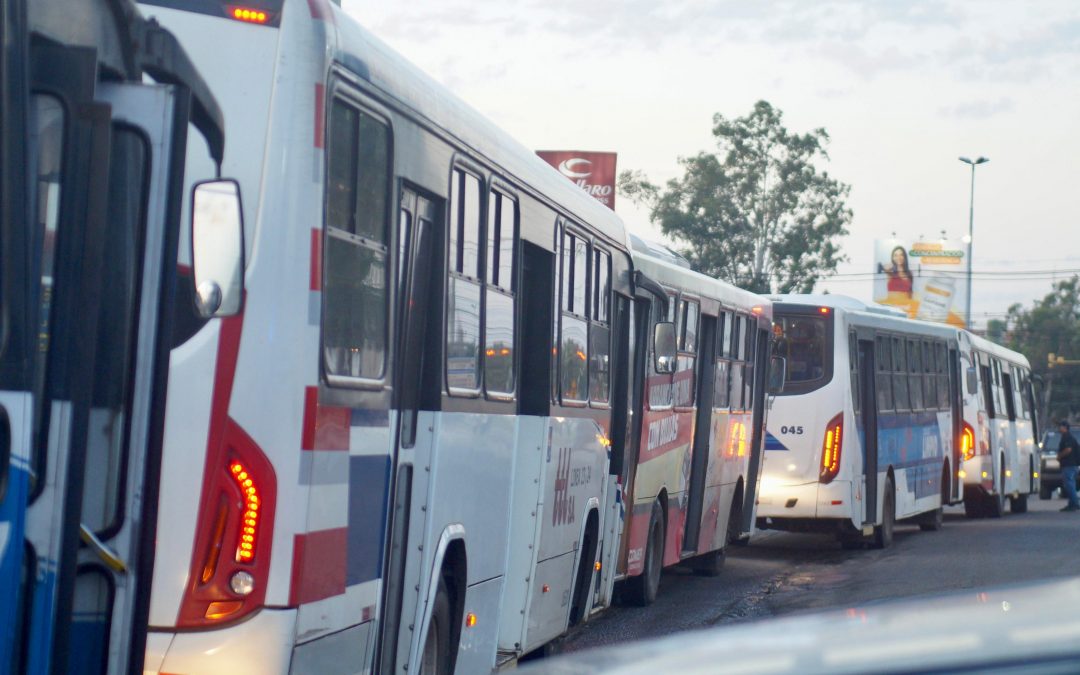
{"x": 643, "y": 589}
{"x": 995, "y": 503}
{"x": 883, "y": 533}
{"x": 708, "y": 564}
{"x": 1018, "y": 504}
{"x": 973, "y": 504}
{"x": 934, "y": 520}
{"x": 1045, "y": 492}
{"x": 435, "y": 659}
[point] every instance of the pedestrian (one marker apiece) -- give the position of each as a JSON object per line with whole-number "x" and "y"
{"x": 1069, "y": 459}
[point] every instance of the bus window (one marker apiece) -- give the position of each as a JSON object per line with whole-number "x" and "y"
{"x": 929, "y": 363}
{"x": 915, "y": 377}
{"x": 355, "y": 299}
{"x": 722, "y": 367}
{"x": 684, "y": 381}
{"x": 883, "y": 381}
{"x": 464, "y": 288}
{"x": 499, "y": 300}
{"x": 574, "y": 339}
{"x": 600, "y": 330}
{"x": 899, "y": 376}
{"x": 738, "y": 349}
{"x": 802, "y": 340}
{"x": 751, "y": 353}
{"x": 943, "y": 376}
{"x": 853, "y": 371}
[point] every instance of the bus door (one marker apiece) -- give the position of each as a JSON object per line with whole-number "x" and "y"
{"x": 641, "y": 323}
{"x": 866, "y": 421}
{"x": 699, "y": 460}
{"x": 418, "y": 300}
{"x": 145, "y": 186}
{"x": 956, "y": 402}
{"x": 68, "y": 165}
{"x": 759, "y": 419}
{"x": 17, "y": 332}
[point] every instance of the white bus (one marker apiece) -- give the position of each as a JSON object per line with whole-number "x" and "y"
{"x": 863, "y": 434}
{"x": 96, "y": 105}
{"x": 999, "y": 434}
{"x": 692, "y": 465}
{"x": 394, "y": 454}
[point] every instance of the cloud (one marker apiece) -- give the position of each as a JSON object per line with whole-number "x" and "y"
{"x": 978, "y": 110}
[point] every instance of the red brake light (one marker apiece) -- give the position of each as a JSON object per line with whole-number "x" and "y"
{"x": 831, "y": 449}
{"x": 967, "y": 441}
{"x": 230, "y": 563}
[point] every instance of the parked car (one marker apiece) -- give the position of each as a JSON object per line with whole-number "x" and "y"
{"x": 1050, "y": 473}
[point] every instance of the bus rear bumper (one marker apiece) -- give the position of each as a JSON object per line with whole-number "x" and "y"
{"x": 260, "y": 645}
{"x": 979, "y": 474}
{"x": 831, "y": 501}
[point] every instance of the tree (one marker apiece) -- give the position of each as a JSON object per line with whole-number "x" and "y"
{"x": 757, "y": 212}
{"x": 1051, "y": 326}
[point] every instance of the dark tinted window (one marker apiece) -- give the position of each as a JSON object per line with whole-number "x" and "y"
{"x": 802, "y": 340}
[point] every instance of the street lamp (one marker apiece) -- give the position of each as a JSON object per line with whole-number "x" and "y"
{"x": 971, "y": 228}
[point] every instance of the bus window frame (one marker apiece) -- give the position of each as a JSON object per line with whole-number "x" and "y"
{"x": 780, "y": 310}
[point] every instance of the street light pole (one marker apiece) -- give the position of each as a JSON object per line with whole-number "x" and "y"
{"x": 971, "y": 228}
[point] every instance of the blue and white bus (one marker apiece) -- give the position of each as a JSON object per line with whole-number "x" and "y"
{"x": 864, "y": 433}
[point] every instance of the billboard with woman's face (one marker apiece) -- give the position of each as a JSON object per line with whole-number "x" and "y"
{"x": 926, "y": 279}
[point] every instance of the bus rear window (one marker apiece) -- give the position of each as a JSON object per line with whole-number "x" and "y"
{"x": 803, "y": 340}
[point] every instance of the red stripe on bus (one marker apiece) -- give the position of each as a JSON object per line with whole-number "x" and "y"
{"x": 318, "y": 569}
{"x": 315, "y": 282}
{"x": 325, "y": 427}
{"x": 320, "y": 9}
{"x": 320, "y": 113}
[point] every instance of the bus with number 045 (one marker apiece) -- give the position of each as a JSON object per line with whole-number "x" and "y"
{"x": 866, "y": 432}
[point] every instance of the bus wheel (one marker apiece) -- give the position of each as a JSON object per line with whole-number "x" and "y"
{"x": 973, "y": 504}
{"x": 932, "y": 521}
{"x": 435, "y": 659}
{"x": 883, "y": 533}
{"x": 707, "y": 564}
{"x": 1018, "y": 504}
{"x": 996, "y": 503}
{"x": 1045, "y": 492}
{"x": 642, "y": 589}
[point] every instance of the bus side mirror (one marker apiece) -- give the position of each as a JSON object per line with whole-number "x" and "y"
{"x": 664, "y": 347}
{"x": 217, "y": 247}
{"x": 777, "y": 375}
{"x": 972, "y": 380}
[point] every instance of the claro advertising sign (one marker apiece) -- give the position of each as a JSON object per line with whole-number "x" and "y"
{"x": 927, "y": 279}
{"x": 593, "y": 172}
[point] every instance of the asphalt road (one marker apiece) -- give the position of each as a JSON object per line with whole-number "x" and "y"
{"x": 780, "y": 573}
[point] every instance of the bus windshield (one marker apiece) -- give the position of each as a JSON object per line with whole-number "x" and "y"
{"x": 804, "y": 342}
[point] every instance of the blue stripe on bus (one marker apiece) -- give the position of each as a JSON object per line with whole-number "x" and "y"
{"x": 773, "y": 443}
{"x": 369, "y": 480}
{"x": 360, "y": 417}
{"x": 904, "y": 439}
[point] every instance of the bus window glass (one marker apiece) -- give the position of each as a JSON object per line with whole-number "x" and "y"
{"x": 574, "y": 359}
{"x": 915, "y": 378}
{"x": 502, "y": 235}
{"x": 373, "y": 179}
{"x": 499, "y": 342}
{"x": 599, "y": 365}
{"x": 355, "y": 298}
{"x": 601, "y": 286}
{"x": 899, "y": 376}
{"x": 802, "y": 341}
{"x": 853, "y": 370}
{"x": 720, "y": 384}
{"x": 724, "y": 349}
{"x": 929, "y": 378}
{"x": 470, "y": 226}
{"x": 463, "y": 335}
{"x": 883, "y": 378}
{"x": 580, "y": 274}
{"x": 735, "y": 397}
{"x": 748, "y": 375}
{"x": 690, "y": 327}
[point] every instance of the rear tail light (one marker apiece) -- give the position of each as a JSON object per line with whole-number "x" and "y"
{"x": 231, "y": 559}
{"x": 831, "y": 448}
{"x": 967, "y": 441}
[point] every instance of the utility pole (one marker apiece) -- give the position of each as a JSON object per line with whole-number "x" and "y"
{"x": 971, "y": 228}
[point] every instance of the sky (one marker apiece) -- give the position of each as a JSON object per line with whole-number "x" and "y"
{"x": 902, "y": 88}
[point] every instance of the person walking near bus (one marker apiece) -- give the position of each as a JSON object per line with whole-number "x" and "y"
{"x": 1069, "y": 458}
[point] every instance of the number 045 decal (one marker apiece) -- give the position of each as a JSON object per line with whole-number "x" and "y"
{"x": 791, "y": 430}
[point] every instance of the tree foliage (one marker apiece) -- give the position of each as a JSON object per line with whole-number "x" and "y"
{"x": 1051, "y": 326}
{"x": 757, "y": 212}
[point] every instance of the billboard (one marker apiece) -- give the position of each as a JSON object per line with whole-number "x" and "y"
{"x": 593, "y": 172}
{"x": 927, "y": 279}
